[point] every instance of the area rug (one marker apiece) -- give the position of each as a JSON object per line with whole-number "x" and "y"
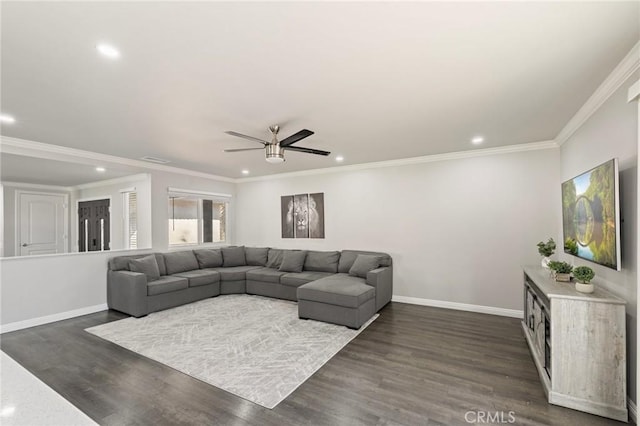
{"x": 254, "y": 347}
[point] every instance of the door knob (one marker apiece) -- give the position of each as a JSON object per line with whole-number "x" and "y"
{"x": 24, "y": 244}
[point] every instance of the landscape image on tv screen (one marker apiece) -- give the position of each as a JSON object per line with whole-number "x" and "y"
{"x": 590, "y": 215}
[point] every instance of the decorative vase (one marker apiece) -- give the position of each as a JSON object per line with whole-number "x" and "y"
{"x": 565, "y": 278}
{"x": 545, "y": 262}
{"x": 585, "y": 288}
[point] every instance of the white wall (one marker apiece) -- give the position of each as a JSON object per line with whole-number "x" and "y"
{"x": 457, "y": 230}
{"x": 39, "y": 286}
{"x": 610, "y": 132}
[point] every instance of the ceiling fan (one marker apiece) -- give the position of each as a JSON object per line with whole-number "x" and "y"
{"x": 274, "y": 150}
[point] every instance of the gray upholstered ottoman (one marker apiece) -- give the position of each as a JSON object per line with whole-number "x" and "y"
{"x": 338, "y": 299}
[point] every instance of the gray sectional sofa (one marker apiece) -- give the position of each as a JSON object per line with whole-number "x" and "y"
{"x": 345, "y": 288}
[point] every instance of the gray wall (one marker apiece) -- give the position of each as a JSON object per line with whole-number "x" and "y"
{"x": 613, "y": 132}
{"x": 458, "y": 230}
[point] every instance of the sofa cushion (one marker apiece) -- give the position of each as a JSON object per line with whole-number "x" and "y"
{"x": 347, "y": 257}
{"x": 199, "y": 277}
{"x": 296, "y": 279}
{"x": 146, "y": 265}
{"x": 339, "y": 289}
{"x": 256, "y": 256}
{"x": 166, "y": 284}
{"x": 121, "y": 263}
{"x": 363, "y": 264}
{"x": 274, "y": 258}
{"x": 209, "y": 258}
{"x": 268, "y": 275}
{"x": 234, "y": 273}
{"x": 233, "y": 256}
{"x": 180, "y": 261}
{"x": 293, "y": 261}
{"x": 322, "y": 261}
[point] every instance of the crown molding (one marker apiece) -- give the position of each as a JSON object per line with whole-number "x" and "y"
{"x": 620, "y": 74}
{"x": 114, "y": 181}
{"x": 22, "y": 185}
{"x": 534, "y": 146}
{"x": 47, "y": 151}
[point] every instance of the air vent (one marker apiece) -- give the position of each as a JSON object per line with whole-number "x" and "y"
{"x": 155, "y": 160}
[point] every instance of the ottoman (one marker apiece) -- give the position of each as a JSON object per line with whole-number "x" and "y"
{"x": 339, "y": 299}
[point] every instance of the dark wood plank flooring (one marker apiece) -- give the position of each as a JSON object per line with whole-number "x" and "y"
{"x": 414, "y": 365}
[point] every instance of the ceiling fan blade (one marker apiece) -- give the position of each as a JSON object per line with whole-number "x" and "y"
{"x": 241, "y": 149}
{"x": 251, "y": 138}
{"x": 304, "y": 133}
{"x": 308, "y": 150}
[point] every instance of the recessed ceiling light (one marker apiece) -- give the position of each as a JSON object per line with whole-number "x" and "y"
{"x": 108, "y": 50}
{"x": 477, "y": 140}
{"x": 339, "y": 158}
{"x": 100, "y": 169}
{"x": 4, "y": 118}
{"x": 245, "y": 172}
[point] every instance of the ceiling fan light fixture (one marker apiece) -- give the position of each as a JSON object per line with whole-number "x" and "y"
{"x": 275, "y": 158}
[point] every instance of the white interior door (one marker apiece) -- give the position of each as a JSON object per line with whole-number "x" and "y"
{"x": 42, "y": 224}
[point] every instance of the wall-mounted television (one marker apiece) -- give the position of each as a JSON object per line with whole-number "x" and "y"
{"x": 591, "y": 215}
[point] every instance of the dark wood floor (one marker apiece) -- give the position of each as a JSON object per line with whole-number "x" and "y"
{"x": 414, "y": 365}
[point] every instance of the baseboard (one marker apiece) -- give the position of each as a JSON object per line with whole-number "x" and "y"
{"x": 633, "y": 410}
{"x": 19, "y": 325}
{"x": 459, "y": 306}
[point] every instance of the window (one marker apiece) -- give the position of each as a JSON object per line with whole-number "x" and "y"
{"x": 196, "y": 219}
{"x": 130, "y": 218}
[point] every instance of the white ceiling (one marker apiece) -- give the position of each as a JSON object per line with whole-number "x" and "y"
{"x": 23, "y": 169}
{"x": 375, "y": 81}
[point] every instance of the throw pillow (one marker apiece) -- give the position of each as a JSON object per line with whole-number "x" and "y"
{"x": 209, "y": 258}
{"x": 363, "y": 264}
{"x": 146, "y": 265}
{"x": 293, "y": 261}
{"x": 233, "y": 256}
{"x": 274, "y": 258}
{"x": 256, "y": 256}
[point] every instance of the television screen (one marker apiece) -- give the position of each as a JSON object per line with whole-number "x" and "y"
{"x": 590, "y": 215}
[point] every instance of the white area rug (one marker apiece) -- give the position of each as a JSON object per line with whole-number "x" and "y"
{"x": 254, "y": 347}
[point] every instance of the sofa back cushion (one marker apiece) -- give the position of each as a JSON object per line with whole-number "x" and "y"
{"x": 363, "y": 264}
{"x": 233, "y": 256}
{"x": 322, "y": 261}
{"x": 180, "y": 261}
{"x": 347, "y": 257}
{"x": 256, "y": 256}
{"x": 146, "y": 265}
{"x": 209, "y": 258}
{"x": 121, "y": 263}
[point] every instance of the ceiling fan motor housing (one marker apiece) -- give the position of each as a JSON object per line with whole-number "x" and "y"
{"x": 274, "y": 153}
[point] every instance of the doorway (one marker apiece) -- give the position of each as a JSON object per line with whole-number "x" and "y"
{"x": 94, "y": 230}
{"x": 43, "y": 222}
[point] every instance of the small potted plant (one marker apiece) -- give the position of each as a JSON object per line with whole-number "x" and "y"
{"x": 562, "y": 271}
{"x": 546, "y": 250}
{"x": 584, "y": 275}
{"x": 571, "y": 246}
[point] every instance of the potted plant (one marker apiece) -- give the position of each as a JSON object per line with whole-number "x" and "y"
{"x": 584, "y": 275}
{"x": 571, "y": 246}
{"x": 562, "y": 270}
{"x": 546, "y": 250}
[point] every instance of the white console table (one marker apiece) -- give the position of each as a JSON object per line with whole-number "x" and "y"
{"x": 578, "y": 343}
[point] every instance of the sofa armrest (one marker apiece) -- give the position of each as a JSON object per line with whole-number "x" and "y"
{"x": 382, "y": 280}
{"x": 127, "y": 292}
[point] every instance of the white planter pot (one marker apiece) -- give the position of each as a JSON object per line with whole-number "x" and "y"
{"x": 565, "y": 278}
{"x": 585, "y": 288}
{"x": 545, "y": 262}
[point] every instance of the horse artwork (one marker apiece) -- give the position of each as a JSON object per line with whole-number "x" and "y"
{"x": 302, "y": 215}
